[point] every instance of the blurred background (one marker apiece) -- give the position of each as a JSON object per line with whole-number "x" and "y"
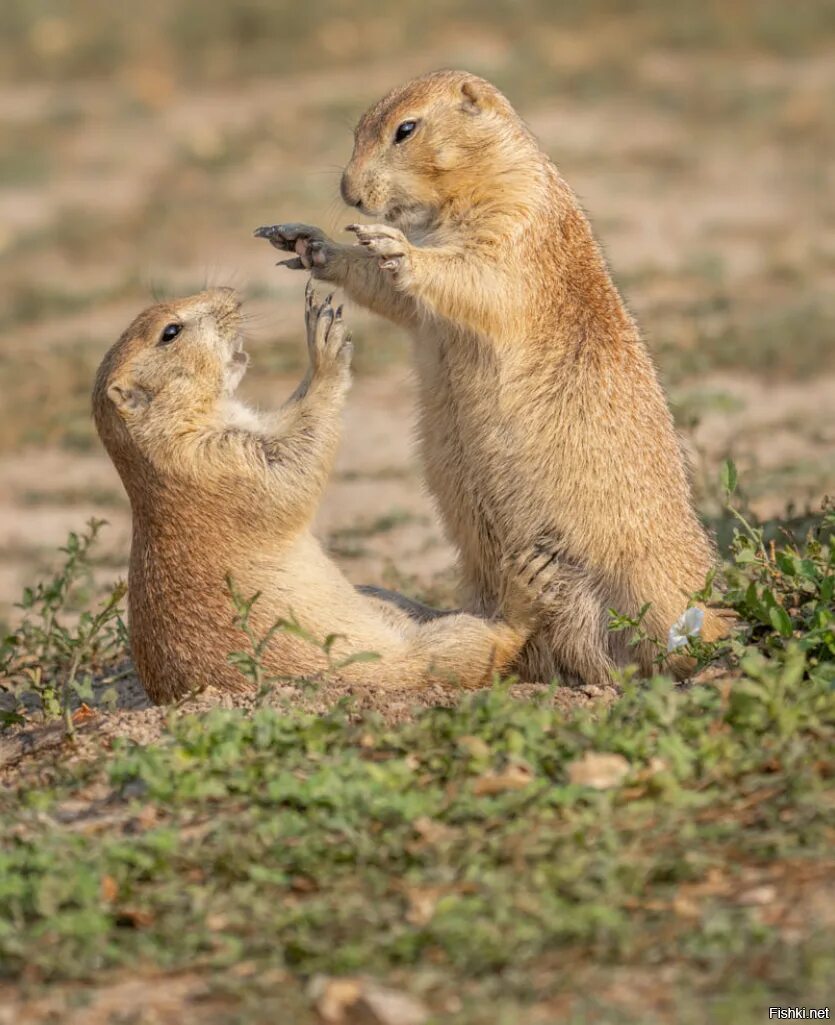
{"x": 141, "y": 144}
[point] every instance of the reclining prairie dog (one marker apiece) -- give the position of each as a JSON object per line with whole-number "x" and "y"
{"x": 542, "y": 421}
{"x": 216, "y": 488}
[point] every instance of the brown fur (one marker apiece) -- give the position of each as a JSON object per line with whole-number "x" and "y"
{"x": 218, "y": 489}
{"x": 542, "y": 421}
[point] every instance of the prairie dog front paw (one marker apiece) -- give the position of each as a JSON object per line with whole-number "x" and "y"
{"x": 328, "y": 340}
{"x": 391, "y": 247}
{"x": 314, "y": 250}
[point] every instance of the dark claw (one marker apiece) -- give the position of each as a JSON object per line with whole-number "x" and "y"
{"x": 527, "y": 563}
{"x": 295, "y": 264}
{"x": 542, "y": 568}
{"x": 280, "y": 235}
{"x": 274, "y": 235}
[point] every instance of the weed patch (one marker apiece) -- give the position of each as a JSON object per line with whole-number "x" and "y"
{"x": 495, "y": 858}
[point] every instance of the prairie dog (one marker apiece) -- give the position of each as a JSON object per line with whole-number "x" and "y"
{"x": 542, "y": 422}
{"x": 218, "y": 489}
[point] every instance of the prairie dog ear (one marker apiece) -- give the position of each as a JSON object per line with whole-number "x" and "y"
{"x": 475, "y": 96}
{"x": 129, "y": 399}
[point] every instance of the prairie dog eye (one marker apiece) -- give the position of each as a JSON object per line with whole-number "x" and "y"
{"x": 169, "y": 333}
{"x": 404, "y": 130}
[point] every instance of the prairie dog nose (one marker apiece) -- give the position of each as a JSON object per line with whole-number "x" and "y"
{"x": 349, "y": 192}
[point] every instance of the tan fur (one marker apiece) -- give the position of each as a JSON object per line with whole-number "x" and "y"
{"x": 542, "y": 421}
{"x": 216, "y": 489}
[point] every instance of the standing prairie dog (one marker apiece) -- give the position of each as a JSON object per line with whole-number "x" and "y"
{"x": 542, "y": 422}
{"x": 218, "y": 490}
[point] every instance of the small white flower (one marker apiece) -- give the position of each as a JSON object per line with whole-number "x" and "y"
{"x": 688, "y": 625}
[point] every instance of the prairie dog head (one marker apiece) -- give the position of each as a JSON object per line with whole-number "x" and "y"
{"x": 441, "y": 137}
{"x": 169, "y": 370}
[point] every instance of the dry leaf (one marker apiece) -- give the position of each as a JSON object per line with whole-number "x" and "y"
{"x": 302, "y": 884}
{"x": 147, "y": 817}
{"x": 514, "y": 777}
{"x": 349, "y": 1001}
{"x": 136, "y": 918}
{"x": 600, "y": 771}
{"x": 82, "y": 714}
{"x": 333, "y": 997}
{"x": 244, "y": 969}
{"x": 685, "y": 907}
{"x": 759, "y": 895}
{"x": 714, "y": 884}
{"x": 431, "y": 830}
{"x": 109, "y": 889}
{"x": 422, "y": 902}
{"x": 378, "y": 1005}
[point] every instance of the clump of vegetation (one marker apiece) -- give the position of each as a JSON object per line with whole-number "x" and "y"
{"x": 782, "y": 593}
{"x": 497, "y": 858}
{"x": 61, "y": 647}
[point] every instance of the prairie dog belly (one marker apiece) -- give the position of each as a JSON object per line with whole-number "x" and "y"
{"x": 458, "y": 447}
{"x": 315, "y": 593}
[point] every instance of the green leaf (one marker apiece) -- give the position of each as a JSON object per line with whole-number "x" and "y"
{"x": 330, "y": 640}
{"x": 360, "y": 656}
{"x": 728, "y": 476}
{"x": 780, "y": 620}
{"x": 806, "y": 568}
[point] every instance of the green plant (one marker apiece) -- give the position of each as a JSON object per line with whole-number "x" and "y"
{"x": 56, "y": 653}
{"x": 251, "y": 662}
{"x": 485, "y": 853}
{"x": 780, "y": 593}
{"x": 462, "y": 843}
{"x": 634, "y": 625}
{"x": 783, "y": 595}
